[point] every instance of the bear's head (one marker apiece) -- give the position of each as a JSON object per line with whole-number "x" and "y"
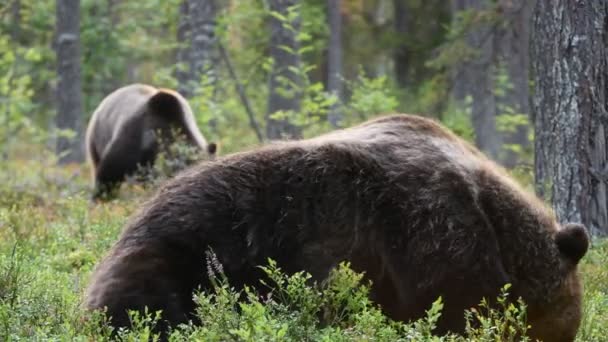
{"x": 558, "y": 318}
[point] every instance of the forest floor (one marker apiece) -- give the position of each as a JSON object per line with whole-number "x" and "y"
{"x": 51, "y": 237}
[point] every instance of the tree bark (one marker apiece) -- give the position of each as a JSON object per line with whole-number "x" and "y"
{"x": 284, "y": 92}
{"x": 198, "y": 54}
{"x": 401, "y": 56}
{"x": 475, "y": 78}
{"x": 334, "y": 65}
{"x": 569, "y": 105}
{"x": 69, "y": 91}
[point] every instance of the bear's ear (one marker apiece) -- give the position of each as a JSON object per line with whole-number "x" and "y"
{"x": 572, "y": 241}
{"x": 164, "y": 103}
{"x": 212, "y": 148}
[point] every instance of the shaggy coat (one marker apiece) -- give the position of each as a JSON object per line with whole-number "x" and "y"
{"x": 126, "y": 129}
{"x": 420, "y": 211}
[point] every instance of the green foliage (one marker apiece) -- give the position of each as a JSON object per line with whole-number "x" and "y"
{"x": 128, "y": 32}
{"x": 29, "y": 33}
{"x": 456, "y": 48}
{"x": 15, "y": 93}
{"x": 458, "y": 119}
{"x": 142, "y": 329}
{"x": 315, "y": 102}
{"x": 175, "y": 154}
{"x": 594, "y": 326}
{"x": 370, "y": 96}
{"x": 506, "y": 322}
{"x": 297, "y": 309}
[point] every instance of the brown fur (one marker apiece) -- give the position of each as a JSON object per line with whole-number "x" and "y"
{"x": 422, "y": 212}
{"x": 124, "y": 132}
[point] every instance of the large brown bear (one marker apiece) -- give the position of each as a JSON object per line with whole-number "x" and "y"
{"x": 127, "y": 127}
{"x": 421, "y": 211}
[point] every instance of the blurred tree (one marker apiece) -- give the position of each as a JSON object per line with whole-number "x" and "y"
{"x": 419, "y": 27}
{"x": 182, "y": 72}
{"x": 570, "y": 70}
{"x": 285, "y": 76}
{"x": 30, "y": 27}
{"x": 69, "y": 91}
{"x": 125, "y": 42}
{"x": 15, "y": 10}
{"x": 474, "y": 76}
{"x": 101, "y": 30}
{"x": 418, "y": 33}
{"x": 198, "y": 53}
{"x": 334, "y": 60}
{"x": 402, "y": 50}
{"x": 513, "y": 40}
{"x": 488, "y": 55}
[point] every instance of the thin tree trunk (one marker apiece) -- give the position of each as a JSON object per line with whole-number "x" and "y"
{"x": 483, "y": 110}
{"x": 196, "y": 32}
{"x": 379, "y": 20}
{"x": 243, "y": 96}
{"x": 334, "y": 65}
{"x": 461, "y": 78}
{"x": 202, "y": 15}
{"x": 69, "y": 91}
{"x": 571, "y": 73}
{"x": 284, "y": 93}
{"x": 401, "y": 55}
{"x": 475, "y": 78}
{"x": 114, "y": 81}
{"x": 183, "y": 33}
{"x": 16, "y": 20}
{"x": 513, "y": 44}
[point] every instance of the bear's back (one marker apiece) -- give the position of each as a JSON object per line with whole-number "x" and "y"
{"x": 116, "y": 108}
{"x": 401, "y": 141}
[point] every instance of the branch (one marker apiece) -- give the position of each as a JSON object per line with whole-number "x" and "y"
{"x": 239, "y": 88}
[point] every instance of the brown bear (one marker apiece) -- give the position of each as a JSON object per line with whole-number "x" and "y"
{"x": 420, "y": 211}
{"x": 127, "y": 128}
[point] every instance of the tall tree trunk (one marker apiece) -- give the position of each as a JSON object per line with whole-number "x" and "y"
{"x": 114, "y": 81}
{"x": 69, "y": 91}
{"x": 15, "y": 31}
{"x": 182, "y": 74}
{"x": 475, "y": 78}
{"x": 334, "y": 65}
{"x": 284, "y": 92}
{"x": 461, "y": 78}
{"x": 199, "y": 53}
{"x": 513, "y": 44}
{"x": 571, "y": 96}
{"x": 401, "y": 56}
{"x": 483, "y": 110}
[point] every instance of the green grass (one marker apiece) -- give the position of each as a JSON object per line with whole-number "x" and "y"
{"x": 51, "y": 237}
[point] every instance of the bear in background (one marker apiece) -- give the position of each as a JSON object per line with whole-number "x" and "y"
{"x": 126, "y": 131}
{"x": 423, "y": 213}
